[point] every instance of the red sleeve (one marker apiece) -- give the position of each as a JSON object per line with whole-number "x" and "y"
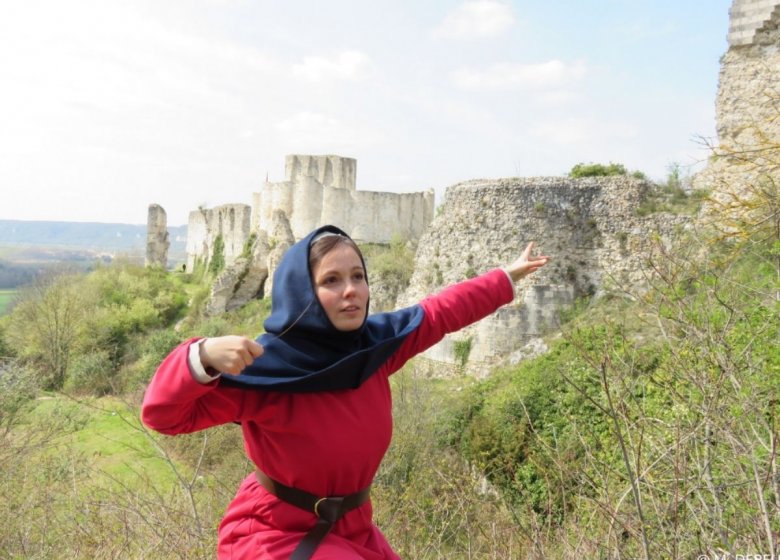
{"x": 175, "y": 403}
{"x": 454, "y": 308}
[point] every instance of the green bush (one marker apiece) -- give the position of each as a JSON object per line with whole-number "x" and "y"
{"x": 91, "y": 374}
{"x": 142, "y": 361}
{"x": 63, "y": 322}
{"x": 6, "y": 349}
{"x": 393, "y": 264}
{"x": 640, "y": 401}
{"x": 217, "y": 261}
{"x": 597, "y": 170}
{"x": 462, "y": 350}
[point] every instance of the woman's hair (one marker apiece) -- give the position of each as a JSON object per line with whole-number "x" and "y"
{"x": 325, "y": 244}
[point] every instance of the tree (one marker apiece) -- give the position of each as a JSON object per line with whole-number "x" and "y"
{"x": 46, "y": 324}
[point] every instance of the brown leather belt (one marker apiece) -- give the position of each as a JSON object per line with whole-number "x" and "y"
{"x": 328, "y": 510}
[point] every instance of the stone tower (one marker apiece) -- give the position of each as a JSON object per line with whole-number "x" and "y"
{"x": 157, "y": 242}
{"x": 329, "y": 171}
{"x": 749, "y": 84}
{"x": 747, "y": 105}
{"x": 321, "y": 189}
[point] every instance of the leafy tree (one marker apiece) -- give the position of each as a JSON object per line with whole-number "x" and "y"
{"x": 81, "y": 324}
{"x": 46, "y": 325}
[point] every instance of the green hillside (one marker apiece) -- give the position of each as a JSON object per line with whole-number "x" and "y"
{"x": 6, "y": 297}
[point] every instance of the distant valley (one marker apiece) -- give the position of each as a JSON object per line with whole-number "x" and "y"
{"x": 91, "y": 235}
{"x": 28, "y": 247}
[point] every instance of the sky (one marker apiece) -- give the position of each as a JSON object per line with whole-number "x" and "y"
{"x": 107, "y": 106}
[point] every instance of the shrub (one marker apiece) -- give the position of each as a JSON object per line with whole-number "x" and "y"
{"x": 462, "y": 350}
{"x": 217, "y": 262}
{"x": 597, "y": 170}
{"x": 91, "y": 373}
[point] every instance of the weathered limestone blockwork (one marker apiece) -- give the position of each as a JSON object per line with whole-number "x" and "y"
{"x": 250, "y": 276}
{"x": 157, "y": 242}
{"x": 230, "y": 221}
{"x": 747, "y": 105}
{"x": 589, "y": 226}
{"x": 321, "y": 190}
{"x": 329, "y": 171}
{"x": 749, "y": 20}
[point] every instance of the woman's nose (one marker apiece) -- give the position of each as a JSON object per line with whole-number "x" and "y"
{"x": 350, "y": 288}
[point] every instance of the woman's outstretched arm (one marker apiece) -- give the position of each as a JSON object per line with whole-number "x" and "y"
{"x": 465, "y": 303}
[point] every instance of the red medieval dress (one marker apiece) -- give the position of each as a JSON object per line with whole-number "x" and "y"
{"x": 327, "y": 443}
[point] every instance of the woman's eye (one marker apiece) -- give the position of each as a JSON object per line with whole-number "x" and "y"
{"x": 329, "y": 280}
{"x": 359, "y": 276}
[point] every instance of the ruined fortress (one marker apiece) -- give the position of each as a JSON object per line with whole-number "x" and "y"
{"x": 317, "y": 190}
{"x": 591, "y": 226}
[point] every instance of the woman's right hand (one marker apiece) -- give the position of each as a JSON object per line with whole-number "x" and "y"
{"x": 229, "y": 354}
{"x": 526, "y": 263}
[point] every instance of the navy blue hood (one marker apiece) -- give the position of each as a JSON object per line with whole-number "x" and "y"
{"x": 303, "y": 351}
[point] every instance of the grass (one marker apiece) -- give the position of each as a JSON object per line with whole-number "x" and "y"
{"x": 108, "y": 434}
{"x": 6, "y": 297}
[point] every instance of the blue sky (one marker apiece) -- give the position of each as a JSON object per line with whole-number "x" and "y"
{"x": 109, "y": 105}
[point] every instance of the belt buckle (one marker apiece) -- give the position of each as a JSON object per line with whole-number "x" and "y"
{"x": 317, "y": 505}
{"x": 332, "y": 508}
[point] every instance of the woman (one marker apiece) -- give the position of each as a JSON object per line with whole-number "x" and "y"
{"x": 312, "y": 395}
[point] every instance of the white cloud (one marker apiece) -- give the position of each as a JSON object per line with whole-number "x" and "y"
{"x": 475, "y": 19}
{"x": 122, "y": 104}
{"x": 580, "y": 130}
{"x": 507, "y": 76}
{"x": 347, "y": 65}
{"x": 558, "y": 98}
{"x": 308, "y": 130}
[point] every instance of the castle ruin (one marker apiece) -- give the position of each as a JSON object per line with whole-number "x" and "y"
{"x": 321, "y": 190}
{"x": 590, "y": 226}
{"x": 317, "y": 190}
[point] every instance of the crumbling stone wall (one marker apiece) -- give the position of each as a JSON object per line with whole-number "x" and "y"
{"x": 157, "y": 242}
{"x": 747, "y": 105}
{"x": 589, "y": 226}
{"x": 230, "y": 222}
{"x": 250, "y": 276}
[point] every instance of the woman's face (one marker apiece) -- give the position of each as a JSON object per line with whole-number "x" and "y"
{"x": 340, "y": 284}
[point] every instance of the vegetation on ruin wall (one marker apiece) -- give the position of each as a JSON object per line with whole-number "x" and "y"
{"x": 673, "y": 195}
{"x": 389, "y": 264}
{"x": 602, "y": 170}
